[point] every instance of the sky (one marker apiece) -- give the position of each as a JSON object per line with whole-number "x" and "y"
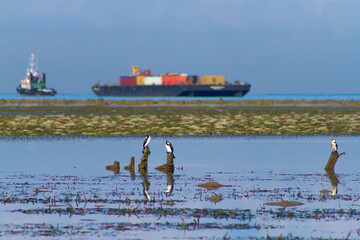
{"x": 279, "y": 47}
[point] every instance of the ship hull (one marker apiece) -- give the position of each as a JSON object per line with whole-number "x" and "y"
{"x": 36, "y": 92}
{"x": 229, "y": 90}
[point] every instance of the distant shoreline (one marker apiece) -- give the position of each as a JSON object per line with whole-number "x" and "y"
{"x": 219, "y": 102}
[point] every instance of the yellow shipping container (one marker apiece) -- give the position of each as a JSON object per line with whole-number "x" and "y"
{"x": 212, "y": 79}
{"x": 140, "y": 80}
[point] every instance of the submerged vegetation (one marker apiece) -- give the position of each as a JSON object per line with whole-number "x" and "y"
{"x": 177, "y": 118}
{"x": 122, "y": 205}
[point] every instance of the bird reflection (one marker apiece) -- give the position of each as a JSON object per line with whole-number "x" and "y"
{"x": 143, "y": 168}
{"x": 170, "y": 183}
{"x": 146, "y": 184}
{"x": 333, "y": 180}
{"x": 169, "y": 178}
{"x": 168, "y": 168}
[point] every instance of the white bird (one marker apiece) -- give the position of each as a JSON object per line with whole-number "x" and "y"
{"x": 169, "y": 148}
{"x": 334, "y": 146}
{"x": 146, "y": 141}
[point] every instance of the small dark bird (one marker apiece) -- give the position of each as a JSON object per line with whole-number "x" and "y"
{"x": 334, "y": 146}
{"x": 169, "y": 148}
{"x": 146, "y": 141}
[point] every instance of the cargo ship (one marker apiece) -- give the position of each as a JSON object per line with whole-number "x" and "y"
{"x": 33, "y": 85}
{"x": 143, "y": 84}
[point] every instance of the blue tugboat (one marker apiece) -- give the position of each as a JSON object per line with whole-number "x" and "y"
{"x": 33, "y": 85}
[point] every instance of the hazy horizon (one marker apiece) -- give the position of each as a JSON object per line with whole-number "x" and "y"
{"x": 279, "y": 47}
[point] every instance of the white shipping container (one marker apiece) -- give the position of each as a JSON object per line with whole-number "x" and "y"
{"x": 153, "y": 80}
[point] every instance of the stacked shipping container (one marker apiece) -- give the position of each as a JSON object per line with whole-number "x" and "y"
{"x": 212, "y": 79}
{"x": 127, "y": 81}
{"x": 173, "y": 80}
{"x": 153, "y": 80}
{"x": 140, "y": 80}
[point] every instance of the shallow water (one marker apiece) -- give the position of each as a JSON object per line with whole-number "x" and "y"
{"x": 80, "y": 199}
{"x": 248, "y": 96}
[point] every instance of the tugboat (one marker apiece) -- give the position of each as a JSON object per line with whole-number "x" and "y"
{"x": 32, "y": 85}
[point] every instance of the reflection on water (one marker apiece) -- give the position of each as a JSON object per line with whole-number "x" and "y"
{"x": 333, "y": 180}
{"x": 73, "y": 188}
{"x": 170, "y": 183}
{"x": 131, "y": 168}
{"x": 249, "y": 96}
{"x": 145, "y": 184}
{"x": 167, "y": 168}
{"x": 143, "y": 168}
{"x": 330, "y": 168}
{"x": 114, "y": 167}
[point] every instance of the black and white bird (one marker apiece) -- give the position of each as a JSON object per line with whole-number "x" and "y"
{"x": 146, "y": 141}
{"x": 169, "y": 148}
{"x": 334, "y": 146}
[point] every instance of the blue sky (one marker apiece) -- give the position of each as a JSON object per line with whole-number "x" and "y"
{"x": 297, "y": 46}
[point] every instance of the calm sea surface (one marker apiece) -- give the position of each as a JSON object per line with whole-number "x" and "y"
{"x": 246, "y": 97}
{"x": 255, "y": 170}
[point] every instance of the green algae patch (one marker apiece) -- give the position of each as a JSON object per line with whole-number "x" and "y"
{"x": 184, "y": 120}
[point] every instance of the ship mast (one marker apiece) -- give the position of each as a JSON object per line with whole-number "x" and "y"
{"x": 32, "y": 65}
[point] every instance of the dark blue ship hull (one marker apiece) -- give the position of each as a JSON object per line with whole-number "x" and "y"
{"x": 228, "y": 90}
{"x": 36, "y": 92}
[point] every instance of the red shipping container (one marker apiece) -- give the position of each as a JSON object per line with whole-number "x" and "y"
{"x": 173, "y": 80}
{"x": 128, "y": 81}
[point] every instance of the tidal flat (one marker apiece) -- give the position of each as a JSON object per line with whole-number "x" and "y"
{"x": 267, "y": 159}
{"x": 175, "y": 118}
{"x": 60, "y": 189}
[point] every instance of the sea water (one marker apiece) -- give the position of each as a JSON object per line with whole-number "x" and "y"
{"x": 249, "y": 96}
